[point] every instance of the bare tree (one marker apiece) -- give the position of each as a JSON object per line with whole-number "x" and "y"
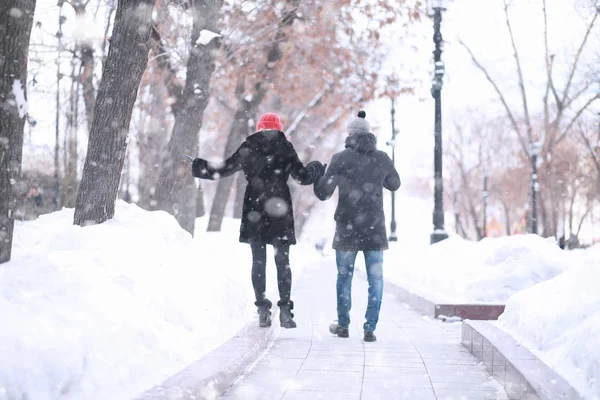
{"x": 175, "y": 190}
{"x": 554, "y": 128}
{"x": 593, "y": 148}
{"x": 125, "y": 64}
{"x": 16, "y": 21}
{"x": 248, "y": 102}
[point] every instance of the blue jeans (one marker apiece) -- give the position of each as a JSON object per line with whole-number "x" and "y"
{"x": 345, "y": 265}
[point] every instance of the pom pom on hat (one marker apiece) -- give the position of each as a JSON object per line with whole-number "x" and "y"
{"x": 359, "y": 125}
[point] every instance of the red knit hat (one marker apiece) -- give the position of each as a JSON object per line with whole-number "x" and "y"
{"x": 269, "y": 121}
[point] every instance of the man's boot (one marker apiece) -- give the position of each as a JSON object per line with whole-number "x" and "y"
{"x": 285, "y": 314}
{"x": 264, "y": 312}
{"x": 335, "y": 329}
{"x": 370, "y": 336}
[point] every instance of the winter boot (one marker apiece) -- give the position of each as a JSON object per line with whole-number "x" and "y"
{"x": 285, "y": 314}
{"x": 370, "y": 336}
{"x": 264, "y": 313}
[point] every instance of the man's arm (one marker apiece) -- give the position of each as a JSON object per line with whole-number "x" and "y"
{"x": 392, "y": 180}
{"x": 326, "y": 184}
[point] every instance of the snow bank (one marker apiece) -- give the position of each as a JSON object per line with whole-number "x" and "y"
{"x": 489, "y": 271}
{"x": 559, "y": 320}
{"x": 107, "y": 311}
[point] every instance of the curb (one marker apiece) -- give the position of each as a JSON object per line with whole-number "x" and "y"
{"x": 522, "y": 374}
{"x": 213, "y": 374}
{"x": 434, "y": 310}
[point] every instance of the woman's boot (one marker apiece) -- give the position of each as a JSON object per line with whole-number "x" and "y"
{"x": 264, "y": 312}
{"x": 285, "y": 314}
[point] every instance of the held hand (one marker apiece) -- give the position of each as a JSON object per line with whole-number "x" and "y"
{"x": 323, "y": 169}
{"x": 315, "y": 170}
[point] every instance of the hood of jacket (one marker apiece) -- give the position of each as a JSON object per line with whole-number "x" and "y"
{"x": 362, "y": 142}
{"x": 266, "y": 142}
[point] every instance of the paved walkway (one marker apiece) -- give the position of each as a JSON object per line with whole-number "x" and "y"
{"x": 414, "y": 358}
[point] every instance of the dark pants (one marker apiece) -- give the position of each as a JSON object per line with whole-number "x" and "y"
{"x": 259, "y": 278}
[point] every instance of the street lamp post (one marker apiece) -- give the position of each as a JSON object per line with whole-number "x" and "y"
{"x": 485, "y": 200}
{"x": 439, "y": 233}
{"x": 392, "y": 143}
{"x": 534, "y": 151}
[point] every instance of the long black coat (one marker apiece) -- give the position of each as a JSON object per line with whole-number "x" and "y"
{"x": 267, "y": 159}
{"x": 360, "y": 172}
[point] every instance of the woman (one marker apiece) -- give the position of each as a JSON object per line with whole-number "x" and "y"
{"x": 267, "y": 159}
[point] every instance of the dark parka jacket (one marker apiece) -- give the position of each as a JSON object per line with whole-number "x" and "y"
{"x": 267, "y": 159}
{"x": 360, "y": 172}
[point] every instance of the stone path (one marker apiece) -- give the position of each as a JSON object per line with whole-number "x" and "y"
{"x": 414, "y": 358}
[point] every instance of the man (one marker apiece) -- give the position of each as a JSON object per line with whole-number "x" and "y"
{"x": 360, "y": 172}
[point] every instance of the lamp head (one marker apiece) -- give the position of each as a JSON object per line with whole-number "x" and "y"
{"x": 441, "y": 5}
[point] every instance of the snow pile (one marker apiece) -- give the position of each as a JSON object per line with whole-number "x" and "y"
{"x": 108, "y": 311}
{"x": 559, "y": 320}
{"x": 206, "y": 37}
{"x": 489, "y": 271}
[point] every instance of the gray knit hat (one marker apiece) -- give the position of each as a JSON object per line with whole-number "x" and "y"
{"x": 359, "y": 125}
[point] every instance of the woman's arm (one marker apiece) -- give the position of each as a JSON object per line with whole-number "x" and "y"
{"x": 305, "y": 175}
{"x": 207, "y": 170}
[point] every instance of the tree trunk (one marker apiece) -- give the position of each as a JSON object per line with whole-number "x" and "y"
{"x": 16, "y": 20}
{"x": 237, "y": 134}
{"x": 507, "y": 218}
{"x": 542, "y": 210}
{"x": 248, "y": 107}
{"x": 57, "y": 189}
{"x": 175, "y": 190}
{"x": 69, "y": 184}
{"x": 200, "y": 208}
{"x": 240, "y": 189}
{"x": 165, "y": 92}
{"x": 125, "y": 65}
{"x": 87, "y": 76}
{"x": 152, "y": 140}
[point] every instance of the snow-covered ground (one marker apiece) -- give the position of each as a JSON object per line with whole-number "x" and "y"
{"x": 455, "y": 270}
{"x": 559, "y": 320}
{"x": 107, "y": 311}
{"x": 489, "y": 271}
{"x": 552, "y": 296}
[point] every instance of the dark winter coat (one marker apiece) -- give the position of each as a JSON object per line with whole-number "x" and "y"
{"x": 360, "y": 172}
{"x": 267, "y": 159}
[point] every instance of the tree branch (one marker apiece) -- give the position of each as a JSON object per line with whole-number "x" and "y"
{"x": 520, "y": 74}
{"x": 312, "y": 103}
{"x": 577, "y": 115}
{"x": 579, "y": 51}
{"x": 549, "y": 63}
{"x": 172, "y": 83}
{"x": 513, "y": 121}
{"x": 585, "y": 214}
{"x": 590, "y": 148}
